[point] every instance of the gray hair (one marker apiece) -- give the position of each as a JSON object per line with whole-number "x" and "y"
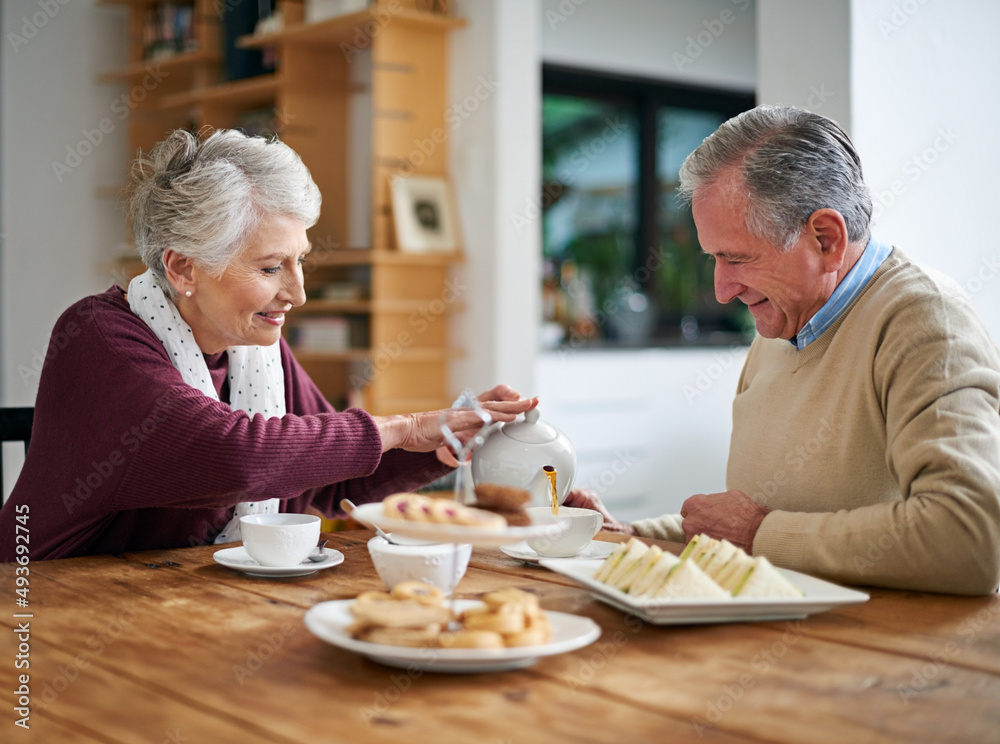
{"x": 792, "y": 162}
{"x": 206, "y": 199}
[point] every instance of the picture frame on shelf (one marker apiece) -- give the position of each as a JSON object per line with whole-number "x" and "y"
{"x": 422, "y": 214}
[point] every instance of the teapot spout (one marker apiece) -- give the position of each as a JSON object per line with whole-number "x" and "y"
{"x": 544, "y": 491}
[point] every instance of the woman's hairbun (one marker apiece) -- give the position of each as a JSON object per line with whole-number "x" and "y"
{"x": 205, "y": 198}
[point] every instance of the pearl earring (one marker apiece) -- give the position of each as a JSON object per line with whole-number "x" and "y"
{"x": 188, "y": 293}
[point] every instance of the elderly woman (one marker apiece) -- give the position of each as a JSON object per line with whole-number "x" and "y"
{"x": 169, "y": 410}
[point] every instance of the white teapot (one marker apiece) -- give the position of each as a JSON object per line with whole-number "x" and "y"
{"x": 527, "y": 454}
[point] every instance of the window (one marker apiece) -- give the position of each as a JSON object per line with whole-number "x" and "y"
{"x": 622, "y": 264}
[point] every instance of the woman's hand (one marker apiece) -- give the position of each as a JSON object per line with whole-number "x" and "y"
{"x": 421, "y": 432}
{"x": 584, "y": 499}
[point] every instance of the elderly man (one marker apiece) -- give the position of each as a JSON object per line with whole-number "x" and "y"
{"x": 866, "y": 424}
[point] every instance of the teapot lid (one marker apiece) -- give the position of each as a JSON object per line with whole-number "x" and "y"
{"x": 531, "y": 430}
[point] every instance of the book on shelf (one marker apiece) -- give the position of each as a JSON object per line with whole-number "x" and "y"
{"x": 168, "y": 29}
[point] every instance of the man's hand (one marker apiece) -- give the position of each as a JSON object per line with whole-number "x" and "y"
{"x": 584, "y": 499}
{"x": 731, "y": 515}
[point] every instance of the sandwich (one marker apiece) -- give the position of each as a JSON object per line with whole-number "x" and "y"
{"x": 636, "y": 570}
{"x": 687, "y": 581}
{"x": 620, "y": 560}
{"x": 706, "y": 569}
{"x": 765, "y": 581}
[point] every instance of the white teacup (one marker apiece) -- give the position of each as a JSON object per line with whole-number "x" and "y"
{"x": 583, "y": 525}
{"x": 438, "y": 564}
{"x": 279, "y": 539}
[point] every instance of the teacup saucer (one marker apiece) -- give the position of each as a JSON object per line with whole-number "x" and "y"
{"x": 597, "y": 549}
{"x": 239, "y": 560}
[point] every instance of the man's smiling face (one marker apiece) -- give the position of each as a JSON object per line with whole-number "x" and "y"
{"x": 783, "y": 289}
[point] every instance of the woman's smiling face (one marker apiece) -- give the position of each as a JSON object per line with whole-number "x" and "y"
{"x": 246, "y": 305}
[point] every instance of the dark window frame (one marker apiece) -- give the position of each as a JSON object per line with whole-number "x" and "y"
{"x": 647, "y": 95}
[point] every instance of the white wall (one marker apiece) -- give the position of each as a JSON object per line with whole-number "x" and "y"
{"x": 709, "y": 42}
{"x": 58, "y": 236}
{"x": 804, "y": 56}
{"x": 926, "y": 102}
{"x": 495, "y": 85}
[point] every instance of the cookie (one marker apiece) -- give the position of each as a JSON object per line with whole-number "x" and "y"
{"x": 501, "y": 498}
{"x": 471, "y": 639}
{"x": 414, "y": 637}
{"x": 404, "y": 613}
{"x": 417, "y": 590}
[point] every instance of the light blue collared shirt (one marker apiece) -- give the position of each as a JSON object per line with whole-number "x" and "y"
{"x": 845, "y": 293}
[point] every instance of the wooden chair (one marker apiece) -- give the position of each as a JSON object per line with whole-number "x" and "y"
{"x": 15, "y": 426}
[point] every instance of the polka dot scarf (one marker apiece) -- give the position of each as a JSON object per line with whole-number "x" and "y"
{"x": 256, "y": 380}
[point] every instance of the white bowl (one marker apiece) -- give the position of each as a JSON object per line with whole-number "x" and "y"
{"x": 279, "y": 539}
{"x": 438, "y": 564}
{"x": 583, "y": 525}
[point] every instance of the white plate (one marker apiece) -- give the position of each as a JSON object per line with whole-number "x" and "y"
{"x": 598, "y": 549}
{"x": 371, "y": 514}
{"x": 239, "y": 559}
{"x": 329, "y": 620}
{"x": 819, "y": 596}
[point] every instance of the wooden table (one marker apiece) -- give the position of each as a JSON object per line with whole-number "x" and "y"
{"x": 168, "y": 646}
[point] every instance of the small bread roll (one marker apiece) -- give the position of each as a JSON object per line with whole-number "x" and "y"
{"x": 402, "y": 613}
{"x": 471, "y": 639}
{"x": 425, "y": 594}
{"x": 503, "y": 620}
{"x": 427, "y": 635}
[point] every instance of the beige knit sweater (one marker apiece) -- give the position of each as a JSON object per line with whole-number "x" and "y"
{"x": 878, "y": 445}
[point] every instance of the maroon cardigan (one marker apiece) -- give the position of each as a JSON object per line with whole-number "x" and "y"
{"x": 125, "y": 456}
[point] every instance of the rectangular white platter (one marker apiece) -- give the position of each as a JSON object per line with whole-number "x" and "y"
{"x": 818, "y": 596}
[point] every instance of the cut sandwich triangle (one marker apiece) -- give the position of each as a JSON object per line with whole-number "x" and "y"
{"x": 720, "y": 554}
{"x": 656, "y": 577}
{"x": 687, "y": 581}
{"x": 638, "y": 569}
{"x": 633, "y": 553}
{"x": 611, "y": 562}
{"x": 764, "y": 581}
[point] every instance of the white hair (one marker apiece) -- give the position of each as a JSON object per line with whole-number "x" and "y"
{"x": 792, "y": 162}
{"x": 207, "y": 198}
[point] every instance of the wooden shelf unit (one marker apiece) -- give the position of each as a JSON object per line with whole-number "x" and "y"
{"x": 405, "y": 298}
